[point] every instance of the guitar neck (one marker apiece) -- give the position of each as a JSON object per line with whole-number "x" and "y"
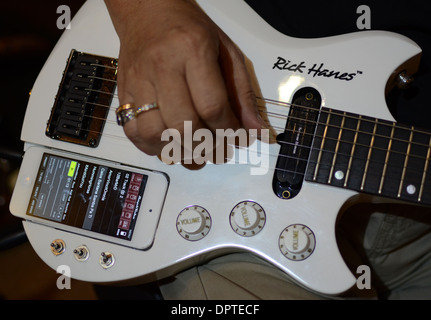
{"x": 371, "y": 155}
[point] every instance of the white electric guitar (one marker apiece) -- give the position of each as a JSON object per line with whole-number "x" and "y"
{"x": 325, "y": 98}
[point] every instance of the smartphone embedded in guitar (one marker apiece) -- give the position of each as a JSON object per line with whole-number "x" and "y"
{"x": 90, "y": 197}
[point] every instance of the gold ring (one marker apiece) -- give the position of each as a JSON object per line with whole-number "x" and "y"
{"x": 146, "y": 107}
{"x": 125, "y": 113}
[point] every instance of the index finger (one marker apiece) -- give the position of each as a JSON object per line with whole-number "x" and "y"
{"x": 209, "y": 94}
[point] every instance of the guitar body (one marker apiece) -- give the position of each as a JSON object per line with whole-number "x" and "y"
{"x": 351, "y": 72}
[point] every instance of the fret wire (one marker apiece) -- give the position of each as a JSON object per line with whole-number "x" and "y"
{"x": 329, "y": 138}
{"x": 372, "y": 174}
{"x": 372, "y": 122}
{"x": 272, "y": 169}
{"x": 325, "y": 137}
{"x": 275, "y": 102}
{"x": 352, "y": 116}
{"x": 425, "y": 171}
{"x": 272, "y": 101}
{"x": 271, "y": 155}
{"x": 279, "y": 103}
{"x": 334, "y": 158}
{"x": 367, "y": 133}
{"x": 385, "y": 166}
{"x": 363, "y": 145}
{"x": 354, "y": 143}
{"x": 352, "y": 151}
{"x": 369, "y": 155}
{"x": 405, "y": 164}
{"x": 319, "y": 157}
{"x": 292, "y": 171}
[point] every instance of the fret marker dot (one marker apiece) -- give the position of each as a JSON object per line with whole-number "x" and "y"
{"x": 339, "y": 175}
{"x": 411, "y": 189}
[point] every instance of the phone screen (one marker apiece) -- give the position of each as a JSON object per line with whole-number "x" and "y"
{"x": 86, "y": 195}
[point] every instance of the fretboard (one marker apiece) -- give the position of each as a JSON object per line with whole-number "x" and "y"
{"x": 370, "y": 155}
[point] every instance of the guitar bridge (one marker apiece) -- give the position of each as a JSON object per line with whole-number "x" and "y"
{"x": 83, "y": 99}
{"x": 295, "y": 143}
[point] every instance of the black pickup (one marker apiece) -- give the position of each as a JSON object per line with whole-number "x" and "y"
{"x": 83, "y": 99}
{"x": 295, "y": 143}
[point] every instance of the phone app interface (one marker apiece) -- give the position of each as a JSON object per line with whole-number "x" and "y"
{"x": 86, "y": 195}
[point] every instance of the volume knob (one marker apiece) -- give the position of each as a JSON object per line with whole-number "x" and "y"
{"x": 247, "y": 218}
{"x": 193, "y": 223}
{"x": 297, "y": 242}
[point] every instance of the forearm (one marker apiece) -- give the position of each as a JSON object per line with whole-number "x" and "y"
{"x": 123, "y": 12}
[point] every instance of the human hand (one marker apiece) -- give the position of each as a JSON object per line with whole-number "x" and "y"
{"x": 173, "y": 54}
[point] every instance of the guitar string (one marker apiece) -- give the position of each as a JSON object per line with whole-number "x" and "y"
{"x": 352, "y": 130}
{"x": 352, "y": 116}
{"x": 312, "y": 122}
{"x": 323, "y": 166}
{"x": 299, "y": 160}
{"x": 332, "y": 152}
{"x": 287, "y": 104}
{"x": 301, "y": 145}
{"x": 280, "y": 103}
{"x": 340, "y": 154}
{"x": 329, "y": 112}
